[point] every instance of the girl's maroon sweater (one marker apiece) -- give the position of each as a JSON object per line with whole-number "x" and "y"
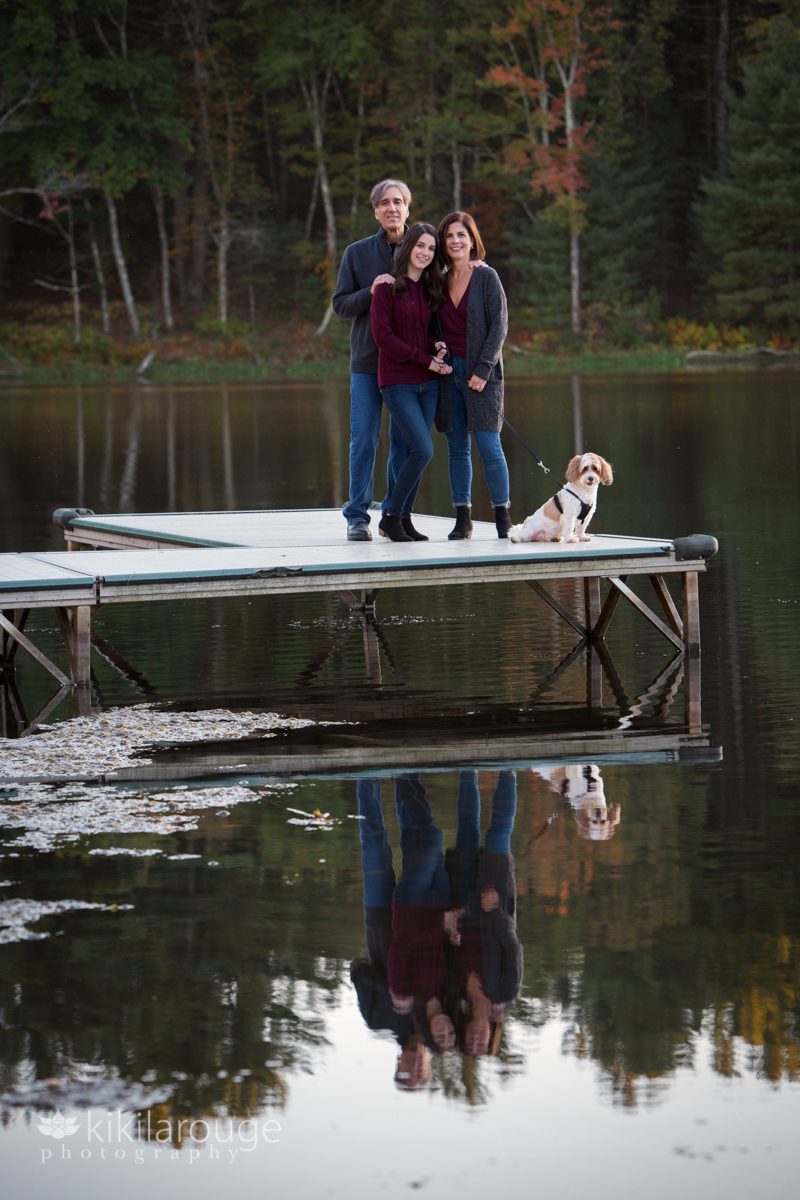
{"x": 401, "y": 326}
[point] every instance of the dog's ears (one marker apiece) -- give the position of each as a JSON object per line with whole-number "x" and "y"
{"x": 573, "y": 471}
{"x": 607, "y": 474}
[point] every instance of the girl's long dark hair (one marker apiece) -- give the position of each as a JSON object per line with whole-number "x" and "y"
{"x": 432, "y": 277}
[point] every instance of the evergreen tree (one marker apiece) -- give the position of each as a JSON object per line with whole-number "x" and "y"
{"x": 620, "y": 249}
{"x": 751, "y": 218}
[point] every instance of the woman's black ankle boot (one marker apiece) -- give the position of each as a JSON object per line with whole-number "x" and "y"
{"x": 413, "y": 533}
{"x": 463, "y": 526}
{"x": 502, "y": 520}
{"x": 392, "y": 527}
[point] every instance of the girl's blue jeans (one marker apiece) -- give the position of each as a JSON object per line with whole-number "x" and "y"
{"x": 412, "y": 407}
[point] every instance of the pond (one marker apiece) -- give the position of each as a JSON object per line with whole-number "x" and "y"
{"x": 201, "y": 982}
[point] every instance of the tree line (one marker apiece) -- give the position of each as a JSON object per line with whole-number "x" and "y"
{"x": 625, "y": 159}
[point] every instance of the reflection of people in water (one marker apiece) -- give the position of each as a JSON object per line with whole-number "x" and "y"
{"x": 443, "y": 958}
{"x": 582, "y": 785}
{"x": 487, "y": 965}
{"x": 368, "y": 972}
{"x": 400, "y": 984}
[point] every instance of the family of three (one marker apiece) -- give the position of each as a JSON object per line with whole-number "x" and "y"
{"x": 426, "y": 339}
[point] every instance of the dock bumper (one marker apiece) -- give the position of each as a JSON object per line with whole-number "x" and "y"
{"x": 65, "y": 516}
{"x": 697, "y": 545}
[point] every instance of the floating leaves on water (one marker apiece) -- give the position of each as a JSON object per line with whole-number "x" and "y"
{"x": 56, "y": 815}
{"x": 122, "y": 737}
{"x": 115, "y": 850}
{"x": 17, "y": 915}
{"x": 312, "y": 820}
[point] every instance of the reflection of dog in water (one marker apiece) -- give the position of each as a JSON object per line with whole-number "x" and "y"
{"x": 582, "y": 785}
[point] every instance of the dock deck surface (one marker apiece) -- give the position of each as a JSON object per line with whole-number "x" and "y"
{"x": 139, "y": 557}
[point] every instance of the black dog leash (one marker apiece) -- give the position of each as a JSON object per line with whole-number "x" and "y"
{"x": 532, "y": 453}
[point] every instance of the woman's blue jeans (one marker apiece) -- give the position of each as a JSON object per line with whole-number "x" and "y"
{"x": 495, "y": 467}
{"x": 412, "y": 407}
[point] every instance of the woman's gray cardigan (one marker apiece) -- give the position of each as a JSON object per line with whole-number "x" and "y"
{"x": 487, "y": 326}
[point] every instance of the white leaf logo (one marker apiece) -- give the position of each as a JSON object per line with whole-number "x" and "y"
{"x": 57, "y": 1126}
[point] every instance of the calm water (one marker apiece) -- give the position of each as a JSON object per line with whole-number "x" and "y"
{"x": 224, "y": 1019}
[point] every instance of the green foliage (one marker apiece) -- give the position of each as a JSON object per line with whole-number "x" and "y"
{"x": 620, "y": 243}
{"x": 258, "y": 131}
{"x": 536, "y": 256}
{"x": 751, "y": 217}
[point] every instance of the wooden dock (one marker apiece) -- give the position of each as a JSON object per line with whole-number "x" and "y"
{"x": 171, "y": 556}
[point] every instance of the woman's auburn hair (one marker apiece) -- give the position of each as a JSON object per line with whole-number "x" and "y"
{"x": 432, "y": 276}
{"x": 477, "y": 250}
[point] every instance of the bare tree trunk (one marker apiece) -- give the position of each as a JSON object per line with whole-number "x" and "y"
{"x": 122, "y": 269}
{"x": 358, "y": 138}
{"x": 199, "y": 233}
{"x": 163, "y": 241}
{"x": 180, "y": 240}
{"x": 575, "y": 280}
{"x": 455, "y": 159}
{"x": 315, "y": 106}
{"x": 325, "y": 322}
{"x": 312, "y": 205}
{"x": 74, "y": 285}
{"x": 568, "y": 80}
{"x": 223, "y": 240}
{"x": 276, "y": 163}
{"x": 723, "y": 50}
{"x": 97, "y": 259}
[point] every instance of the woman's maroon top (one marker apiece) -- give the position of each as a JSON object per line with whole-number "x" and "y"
{"x": 401, "y": 326}
{"x": 454, "y": 324}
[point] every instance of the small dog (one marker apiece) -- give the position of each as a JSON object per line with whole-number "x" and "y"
{"x": 565, "y": 516}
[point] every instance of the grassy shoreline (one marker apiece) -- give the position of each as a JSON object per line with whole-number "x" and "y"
{"x": 518, "y": 365}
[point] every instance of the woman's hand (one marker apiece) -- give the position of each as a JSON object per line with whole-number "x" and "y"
{"x": 441, "y": 350}
{"x": 439, "y": 368}
{"x": 476, "y": 383}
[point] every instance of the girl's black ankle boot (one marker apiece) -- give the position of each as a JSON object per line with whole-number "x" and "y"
{"x": 392, "y": 527}
{"x": 413, "y": 533}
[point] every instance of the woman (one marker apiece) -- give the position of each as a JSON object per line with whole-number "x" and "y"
{"x": 409, "y": 365}
{"x": 474, "y": 323}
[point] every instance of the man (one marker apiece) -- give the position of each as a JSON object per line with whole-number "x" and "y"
{"x": 366, "y": 264}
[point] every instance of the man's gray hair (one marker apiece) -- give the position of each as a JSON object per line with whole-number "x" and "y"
{"x": 376, "y": 195}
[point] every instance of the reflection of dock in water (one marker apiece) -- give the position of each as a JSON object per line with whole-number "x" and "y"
{"x": 355, "y": 754}
{"x": 174, "y": 556}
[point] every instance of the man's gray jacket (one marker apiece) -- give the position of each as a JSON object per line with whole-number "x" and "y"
{"x": 362, "y": 261}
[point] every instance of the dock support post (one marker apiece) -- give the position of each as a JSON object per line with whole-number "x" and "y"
{"x": 691, "y": 613}
{"x": 76, "y": 629}
{"x": 592, "y": 603}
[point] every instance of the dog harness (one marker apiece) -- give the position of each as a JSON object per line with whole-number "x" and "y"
{"x": 585, "y": 508}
